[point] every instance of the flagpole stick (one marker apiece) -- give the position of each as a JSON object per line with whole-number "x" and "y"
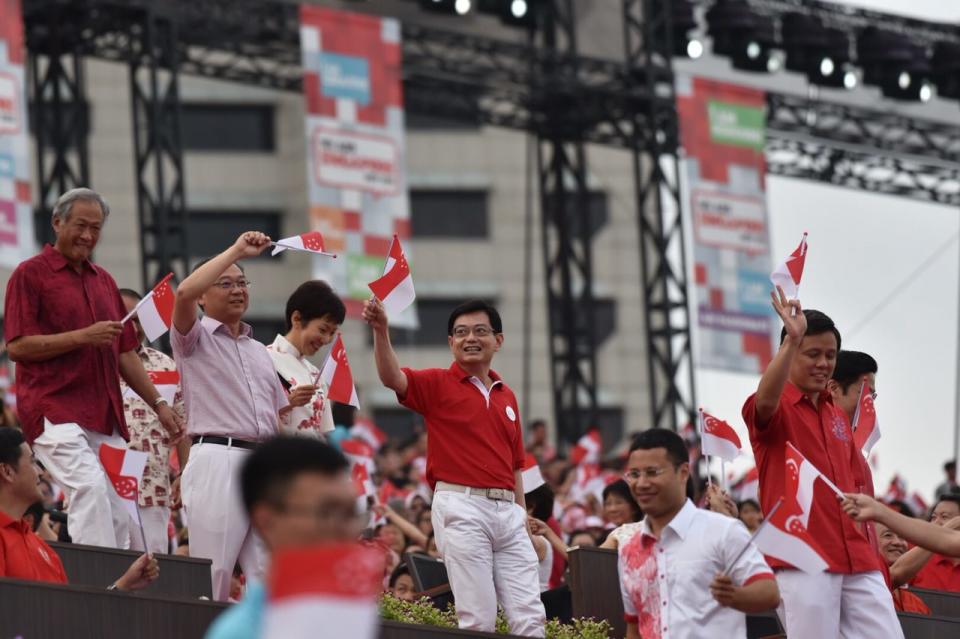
{"x": 723, "y": 473}
{"x": 856, "y": 413}
{"x": 763, "y": 523}
{"x": 705, "y": 456}
{"x": 143, "y": 535}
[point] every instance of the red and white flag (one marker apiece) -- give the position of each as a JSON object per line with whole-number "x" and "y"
{"x": 360, "y": 452}
{"x": 748, "y": 487}
{"x": 866, "y": 426}
{"x": 784, "y": 535}
{"x": 166, "y": 383}
{"x": 587, "y": 449}
{"x": 124, "y": 468}
{"x": 531, "y": 475}
{"x": 337, "y": 376}
{"x": 332, "y": 587}
{"x": 155, "y": 310}
{"x": 718, "y": 438}
{"x": 366, "y": 430}
{"x": 788, "y": 273}
{"x": 800, "y": 479}
{"x": 918, "y": 505}
{"x": 897, "y": 490}
{"x": 395, "y": 288}
{"x": 311, "y": 242}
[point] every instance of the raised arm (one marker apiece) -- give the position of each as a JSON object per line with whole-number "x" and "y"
{"x": 249, "y": 244}
{"x": 412, "y": 532}
{"x": 939, "y": 539}
{"x": 775, "y": 377}
{"x": 388, "y": 366}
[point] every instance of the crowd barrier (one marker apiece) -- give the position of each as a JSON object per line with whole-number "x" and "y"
{"x": 187, "y": 577}
{"x": 37, "y": 610}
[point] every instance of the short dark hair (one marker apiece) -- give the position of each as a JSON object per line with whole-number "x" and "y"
{"x": 398, "y": 572}
{"x": 621, "y": 489}
{"x": 749, "y": 502}
{"x": 315, "y": 300}
{"x": 817, "y": 324}
{"x": 953, "y": 498}
{"x": 662, "y": 438}
{"x": 270, "y": 469}
{"x": 537, "y": 423}
{"x": 10, "y": 440}
{"x": 540, "y": 500}
{"x": 129, "y": 292}
{"x": 851, "y": 366}
{"x": 476, "y": 306}
{"x": 950, "y": 465}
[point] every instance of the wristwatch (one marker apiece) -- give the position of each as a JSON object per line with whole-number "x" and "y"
{"x": 112, "y": 586}
{"x": 160, "y": 401}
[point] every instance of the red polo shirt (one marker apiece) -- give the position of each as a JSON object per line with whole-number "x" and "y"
{"x": 823, "y": 437}
{"x": 23, "y": 555}
{"x": 473, "y": 439}
{"x": 46, "y": 296}
{"x": 939, "y": 573}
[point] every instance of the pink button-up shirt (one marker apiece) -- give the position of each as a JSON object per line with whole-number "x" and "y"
{"x": 230, "y": 387}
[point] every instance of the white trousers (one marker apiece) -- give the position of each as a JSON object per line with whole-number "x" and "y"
{"x": 489, "y": 558}
{"x": 71, "y": 456}
{"x": 156, "y": 522}
{"x": 828, "y": 606}
{"x": 219, "y": 527}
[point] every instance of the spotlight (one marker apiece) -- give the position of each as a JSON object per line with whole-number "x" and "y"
{"x": 746, "y": 37}
{"x": 458, "y": 7}
{"x": 899, "y": 67}
{"x": 850, "y": 80}
{"x": 514, "y": 13}
{"x": 683, "y": 23}
{"x": 694, "y": 49}
{"x": 518, "y": 8}
{"x": 822, "y": 53}
{"x": 462, "y": 7}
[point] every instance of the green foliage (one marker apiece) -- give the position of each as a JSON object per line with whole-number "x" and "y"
{"x": 424, "y": 613}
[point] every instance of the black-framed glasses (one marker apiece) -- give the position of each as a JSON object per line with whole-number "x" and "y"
{"x": 226, "y": 285}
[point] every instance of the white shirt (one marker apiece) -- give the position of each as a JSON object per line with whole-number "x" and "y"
{"x": 314, "y": 418}
{"x": 665, "y": 582}
{"x": 545, "y": 565}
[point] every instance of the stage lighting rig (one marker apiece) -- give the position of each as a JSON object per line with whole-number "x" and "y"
{"x": 515, "y": 13}
{"x": 945, "y": 69}
{"x": 685, "y": 44}
{"x": 458, "y": 7}
{"x": 822, "y": 54}
{"x": 746, "y": 37}
{"x": 899, "y": 67}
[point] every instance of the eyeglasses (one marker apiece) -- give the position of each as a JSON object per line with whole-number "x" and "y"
{"x": 480, "y": 330}
{"x": 648, "y": 473}
{"x": 229, "y": 284}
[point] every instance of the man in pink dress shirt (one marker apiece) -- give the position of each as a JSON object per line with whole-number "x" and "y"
{"x": 233, "y": 400}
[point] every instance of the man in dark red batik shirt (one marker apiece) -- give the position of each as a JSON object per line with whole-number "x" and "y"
{"x": 475, "y": 457}
{"x": 62, "y": 327}
{"x": 792, "y": 404}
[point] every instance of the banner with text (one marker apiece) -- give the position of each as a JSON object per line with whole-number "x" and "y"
{"x": 722, "y": 131}
{"x": 17, "y": 241}
{"x": 355, "y": 147}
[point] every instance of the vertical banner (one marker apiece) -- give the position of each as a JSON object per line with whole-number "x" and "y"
{"x": 722, "y": 131}
{"x": 355, "y": 147}
{"x": 16, "y": 212}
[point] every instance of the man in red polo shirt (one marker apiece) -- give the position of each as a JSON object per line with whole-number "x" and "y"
{"x": 475, "y": 457}
{"x": 792, "y": 404}
{"x": 62, "y": 327}
{"x": 23, "y": 555}
{"x": 941, "y": 572}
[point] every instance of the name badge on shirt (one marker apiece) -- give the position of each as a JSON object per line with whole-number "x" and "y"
{"x": 512, "y": 416}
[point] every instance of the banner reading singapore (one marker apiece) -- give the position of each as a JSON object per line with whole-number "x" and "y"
{"x": 355, "y": 147}
{"x": 16, "y": 210}
{"x": 722, "y": 130}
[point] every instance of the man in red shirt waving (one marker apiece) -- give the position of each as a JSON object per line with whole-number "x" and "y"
{"x": 792, "y": 404}
{"x": 475, "y": 457}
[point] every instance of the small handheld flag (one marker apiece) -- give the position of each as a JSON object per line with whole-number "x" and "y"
{"x": 124, "y": 468}
{"x": 311, "y": 242}
{"x": 866, "y": 426}
{"x": 337, "y": 376}
{"x": 155, "y": 310}
{"x": 395, "y": 288}
{"x": 787, "y": 274}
